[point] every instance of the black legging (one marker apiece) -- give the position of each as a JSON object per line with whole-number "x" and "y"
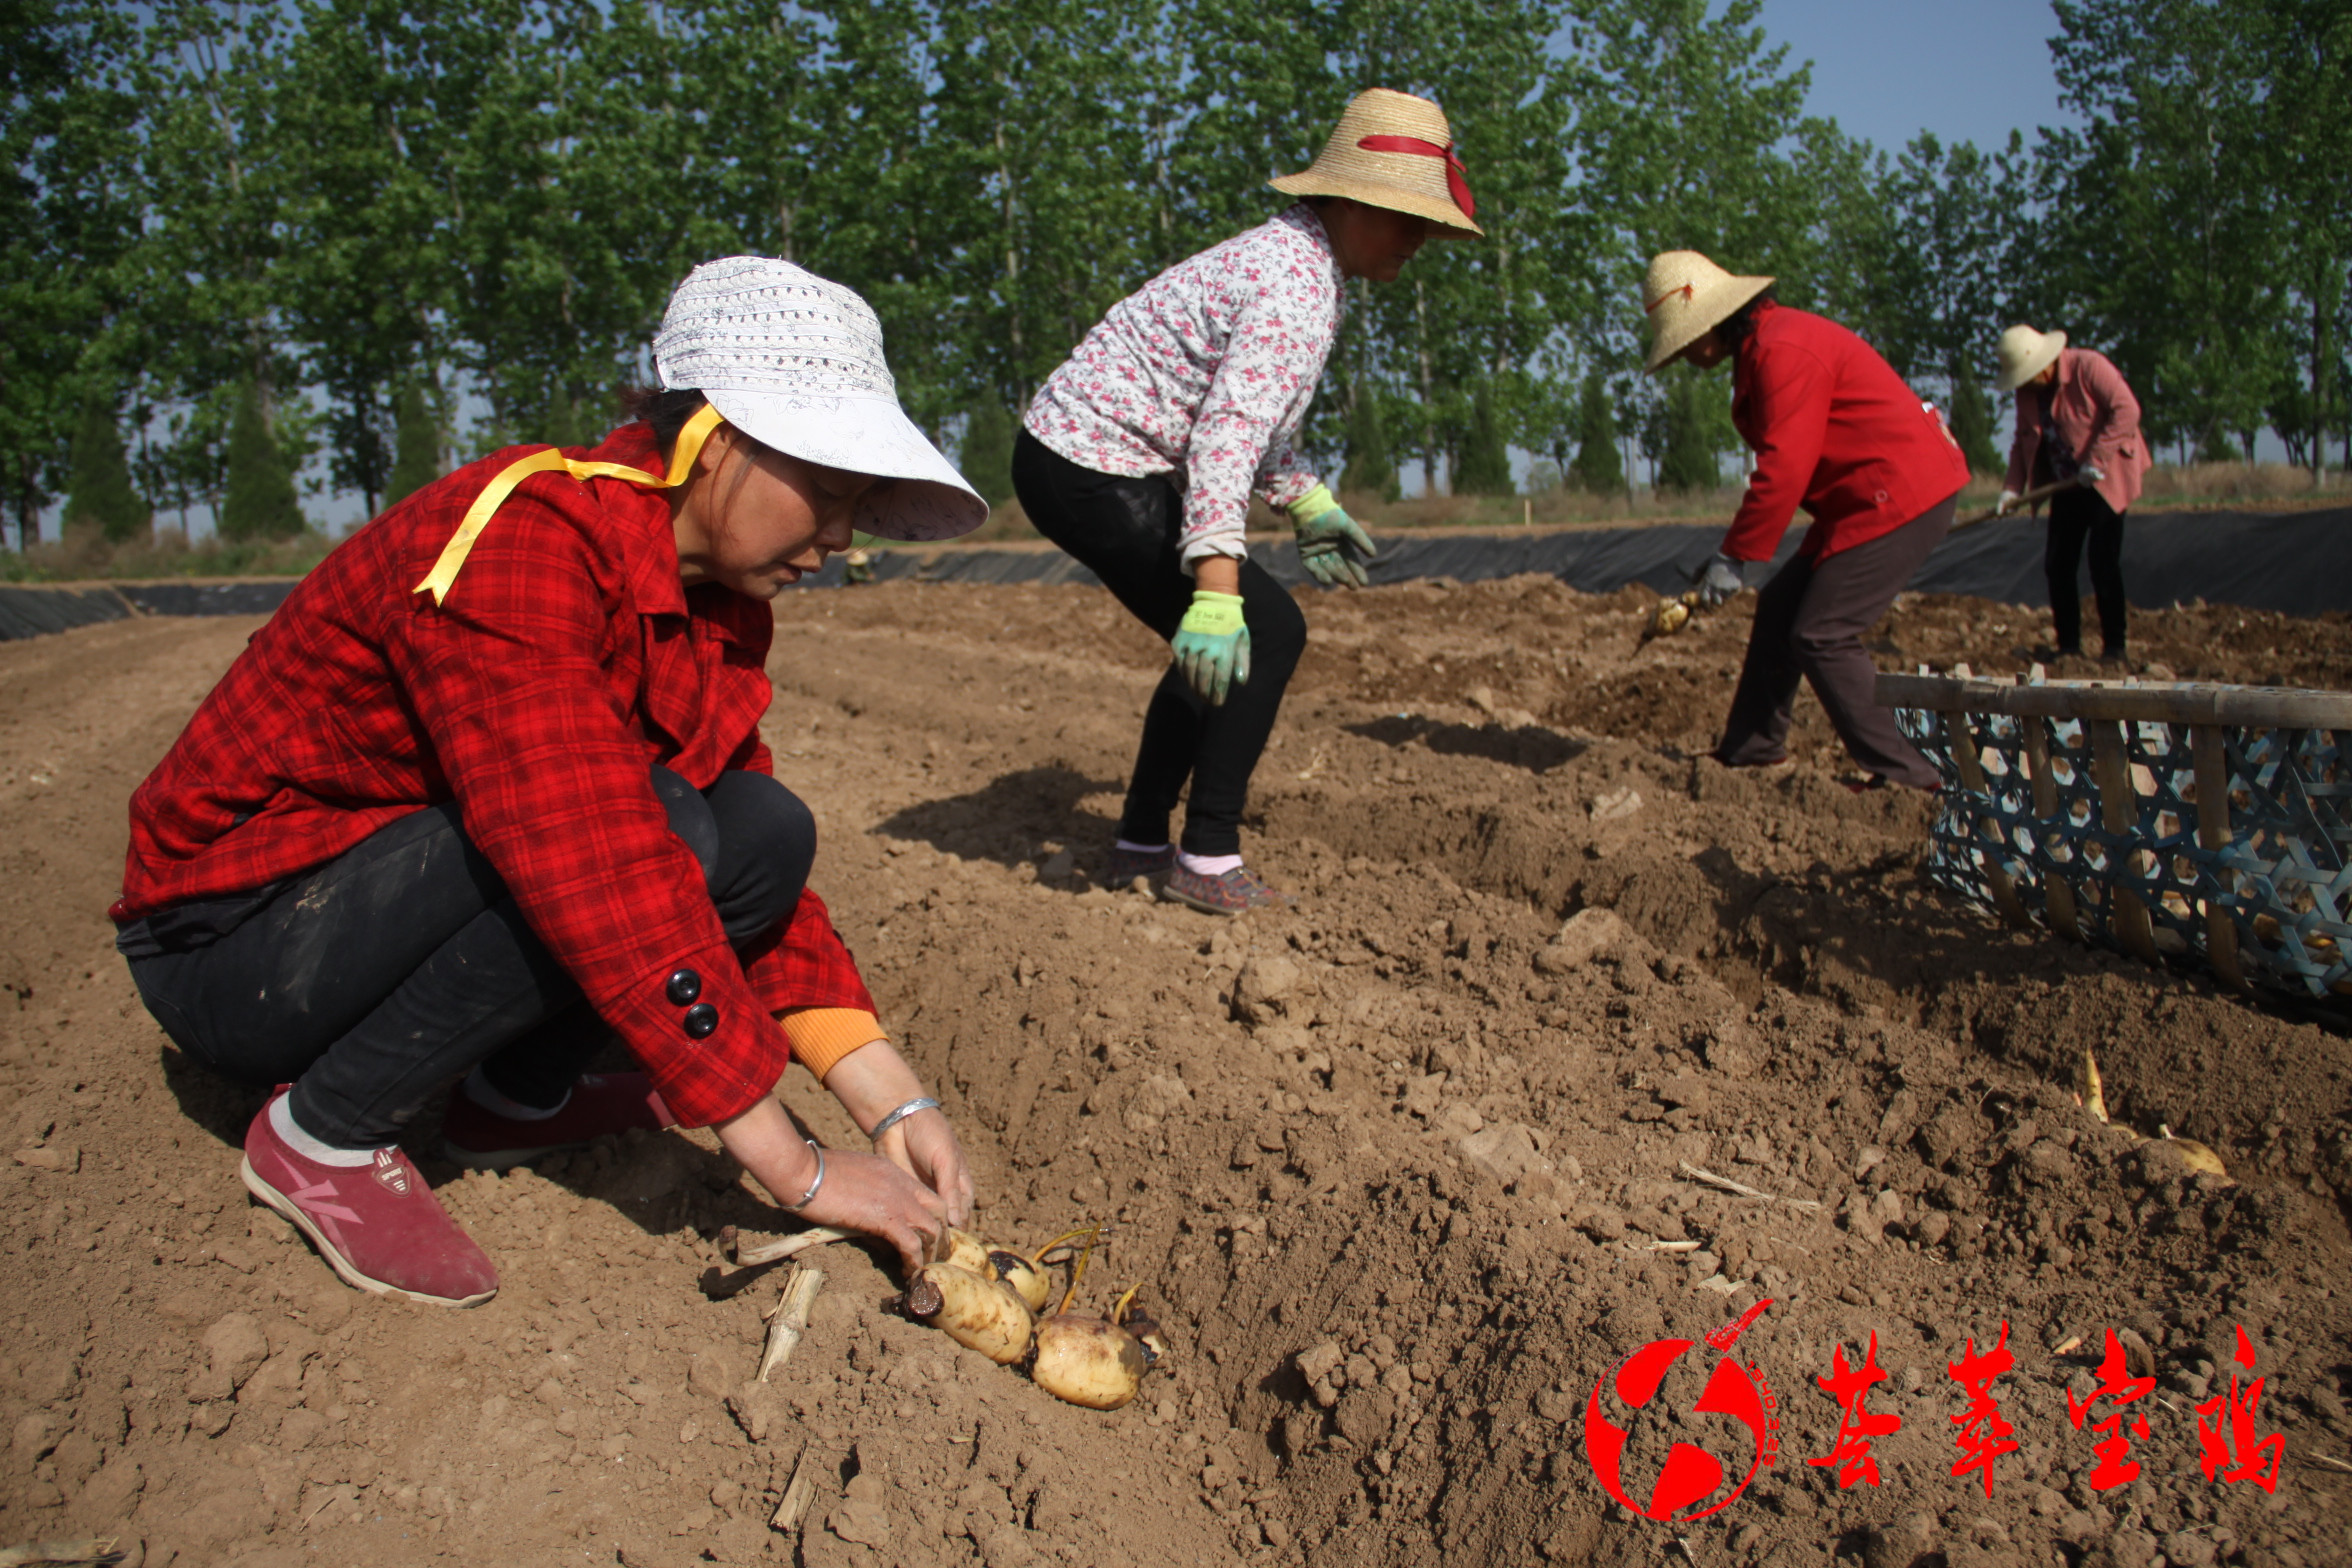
{"x": 404, "y": 962}
{"x": 2074, "y": 516}
{"x": 1126, "y": 532}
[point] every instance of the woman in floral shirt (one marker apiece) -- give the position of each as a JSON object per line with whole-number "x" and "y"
{"x": 1140, "y": 455}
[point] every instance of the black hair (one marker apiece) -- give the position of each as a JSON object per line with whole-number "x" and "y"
{"x": 1733, "y": 330}
{"x": 667, "y": 410}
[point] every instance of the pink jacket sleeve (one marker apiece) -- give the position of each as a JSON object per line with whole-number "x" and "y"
{"x": 2118, "y": 418}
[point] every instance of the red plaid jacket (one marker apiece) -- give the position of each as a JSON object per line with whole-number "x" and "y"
{"x": 565, "y": 662}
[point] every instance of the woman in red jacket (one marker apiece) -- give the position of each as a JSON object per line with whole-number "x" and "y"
{"x": 1836, "y": 432}
{"x": 488, "y": 790}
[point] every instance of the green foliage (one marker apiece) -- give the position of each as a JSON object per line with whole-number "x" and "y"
{"x": 1972, "y": 424}
{"x": 69, "y": 217}
{"x": 416, "y": 445}
{"x": 1597, "y": 468}
{"x": 326, "y": 202}
{"x": 1696, "y": 425}
{"x": 1371, "y": 465}
{"x": 1485, "y": 468}
{"x": 987, "y": 454}
{"x": 258, "y": 501}
{"x": 2201, "y": 207}
{"x": 101, "y": 495}
{"x": 1933, "y": 285}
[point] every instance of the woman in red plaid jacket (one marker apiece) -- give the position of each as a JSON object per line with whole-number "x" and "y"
{"x": 488, "y": 791}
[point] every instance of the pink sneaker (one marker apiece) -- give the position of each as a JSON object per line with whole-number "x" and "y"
{"x": 377, "y": 1225}
{"x": 483, "y": 1140}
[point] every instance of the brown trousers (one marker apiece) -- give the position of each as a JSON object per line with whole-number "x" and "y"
{"x": 1809, "y": 623}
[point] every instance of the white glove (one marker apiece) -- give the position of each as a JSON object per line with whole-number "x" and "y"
{"x": 1719, "y": 580}
{"x": 2006, "y": 505}
{"x": 2092, "y": 474}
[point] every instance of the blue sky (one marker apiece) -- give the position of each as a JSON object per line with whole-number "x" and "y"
{"x": 1887, "y": 69}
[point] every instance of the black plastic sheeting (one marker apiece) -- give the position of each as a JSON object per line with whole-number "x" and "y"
{"x": 2298, "y": 563}
{"x": 256, "y": 596}
{"x": 36, "y": 612}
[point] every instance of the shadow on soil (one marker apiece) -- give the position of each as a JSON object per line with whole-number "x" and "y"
{"x": 1012, "y": 818}
{"x": 1532, "y": 747}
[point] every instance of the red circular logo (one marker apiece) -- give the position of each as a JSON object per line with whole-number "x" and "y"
{"x": 1692, "y": 1482}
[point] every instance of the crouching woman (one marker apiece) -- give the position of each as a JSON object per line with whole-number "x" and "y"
{"x": 488, "y": 790}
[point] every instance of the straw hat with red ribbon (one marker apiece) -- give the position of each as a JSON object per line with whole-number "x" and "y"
{"x": 1686, "y": 297}
{"x": 1396, "y": 151}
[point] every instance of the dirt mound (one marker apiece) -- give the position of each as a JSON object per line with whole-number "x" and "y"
{"x": 1406, "y": 1172}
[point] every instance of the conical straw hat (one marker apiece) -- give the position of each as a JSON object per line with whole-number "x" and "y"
{"x": 1392, "y": 150}
{"x": 1687, "y": 296}
{"x": 2026, "y": 353}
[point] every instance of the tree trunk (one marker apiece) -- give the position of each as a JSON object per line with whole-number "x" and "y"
{"x": 1012, "y": 251}
{"x": 1428, "y": 391}
{"x": 2318, "y": 390}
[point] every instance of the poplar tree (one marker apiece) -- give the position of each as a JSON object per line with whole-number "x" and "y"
{"x": 1371, "y": 466}
{"x": 1485, "y": 468}
{"x": 1689, "y": 461}
{"x": 318, "y": 200}
{"x": 1972, "y": 424}
{"x": 1597, "y": 469}
{"x": 2161, "y": 233}
{"x": 259, "y": 501}
{"x": 416, "y": 446}
{"x": 987, "y": 453}
{"x": 101, "y": 495}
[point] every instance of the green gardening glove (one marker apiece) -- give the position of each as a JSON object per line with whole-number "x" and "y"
{"x": 1325, "y": 536}
{"x": 1212, "y": 644}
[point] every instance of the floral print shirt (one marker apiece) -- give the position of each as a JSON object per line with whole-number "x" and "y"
{"x": 1206, "y": 373}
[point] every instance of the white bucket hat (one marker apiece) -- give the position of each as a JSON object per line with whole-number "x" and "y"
{"x": 2026, "y": 353}
{"x": 1686, "y": 296}
{"x": 794, "y": 361}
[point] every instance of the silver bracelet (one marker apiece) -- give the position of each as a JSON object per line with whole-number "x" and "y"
{"x": 810, "y": 1196}
{"x": 924, "y": 1103}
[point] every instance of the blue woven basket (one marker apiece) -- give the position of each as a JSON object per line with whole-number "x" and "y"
{"x": 2171, "y": 820}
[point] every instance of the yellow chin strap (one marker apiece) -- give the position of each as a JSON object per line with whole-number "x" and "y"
{"x": 453, "y": 555}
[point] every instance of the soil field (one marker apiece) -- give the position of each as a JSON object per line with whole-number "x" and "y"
{"x": 1405, "y": 1172}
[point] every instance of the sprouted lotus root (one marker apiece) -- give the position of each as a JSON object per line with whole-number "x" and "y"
{"x": 980, "y": 1314}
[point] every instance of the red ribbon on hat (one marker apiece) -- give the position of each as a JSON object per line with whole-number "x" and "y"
{"x": 1457, "y": 179}
{"x": 1688, "y": 291}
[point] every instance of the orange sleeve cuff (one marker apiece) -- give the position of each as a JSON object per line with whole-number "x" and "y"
{"x": 822, "y": 1036}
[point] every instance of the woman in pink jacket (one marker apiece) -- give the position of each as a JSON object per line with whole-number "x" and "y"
{"x": 2076, "y": 419}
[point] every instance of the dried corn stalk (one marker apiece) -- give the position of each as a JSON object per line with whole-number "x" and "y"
{"x": 797, "y": 1492}
{"x": 94, "y": 1552}
{"x": 790, "y": 1319}
{"x": 751, "y": 1252}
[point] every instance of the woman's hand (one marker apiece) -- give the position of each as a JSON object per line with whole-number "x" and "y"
{"x": 925, "y": 1147}
{"x": 874, "y": 1080}
{"x": 861, "y": 1192}
{"x": 867, "y": 1193}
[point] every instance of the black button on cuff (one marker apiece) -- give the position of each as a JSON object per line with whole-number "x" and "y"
{"x": 685, "y": 985}
{"x": 702, "y": 1020}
